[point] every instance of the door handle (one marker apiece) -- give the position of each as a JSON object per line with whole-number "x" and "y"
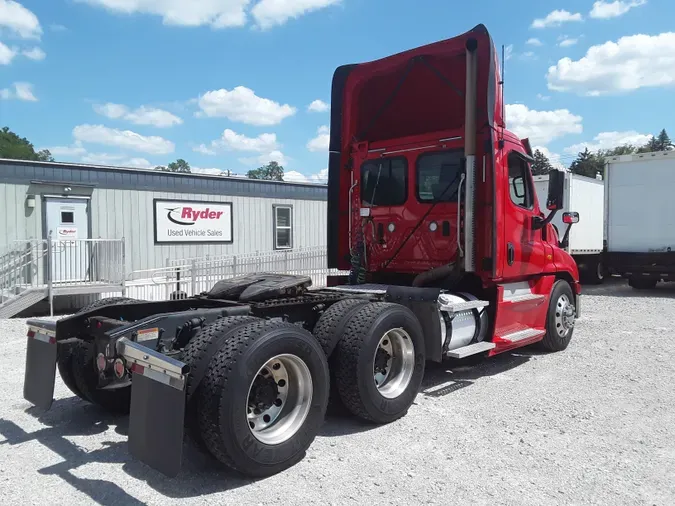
{"x": 510, "y": 253}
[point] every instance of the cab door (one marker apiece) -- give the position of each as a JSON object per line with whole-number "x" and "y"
{"x": 525, "y": 252}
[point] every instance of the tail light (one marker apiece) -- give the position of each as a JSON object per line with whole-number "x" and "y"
{"x": 101, "y": 362}
{"x": 119, "y": 368}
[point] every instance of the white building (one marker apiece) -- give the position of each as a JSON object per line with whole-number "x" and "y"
{"x": 160, "y": 216}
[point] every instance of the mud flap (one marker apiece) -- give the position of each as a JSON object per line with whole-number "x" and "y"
{"x": 40, "y": 374}
{"x": 157, "y": 415}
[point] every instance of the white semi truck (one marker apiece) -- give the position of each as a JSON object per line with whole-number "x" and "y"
{"x": 585, "y": 196}
{"x": 639, "y": 218}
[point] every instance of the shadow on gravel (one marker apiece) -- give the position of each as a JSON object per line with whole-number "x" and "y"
{"x": 618, "y": 287}
{"x": 446, "y": 378}
{"x": 201, "y": 474}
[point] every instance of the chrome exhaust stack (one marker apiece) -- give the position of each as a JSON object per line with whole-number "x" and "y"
{"x": 470, "y": 153}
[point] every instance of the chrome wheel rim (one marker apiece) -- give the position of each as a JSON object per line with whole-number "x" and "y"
{"x": 564, "y": 316}
{"x": 393, "y": 363}
{"x": 601, "y": 271}
{"x": 279, "y": 399}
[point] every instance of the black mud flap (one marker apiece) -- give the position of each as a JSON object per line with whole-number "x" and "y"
{"x": 156, "y": 420}
{"x": 40, "y": 374}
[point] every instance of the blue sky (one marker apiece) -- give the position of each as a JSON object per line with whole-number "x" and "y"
{"x": 227, "y": 84}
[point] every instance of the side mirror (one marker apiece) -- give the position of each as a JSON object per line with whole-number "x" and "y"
{"x": 556, "y": 189}
{"x": 570, "y": 218}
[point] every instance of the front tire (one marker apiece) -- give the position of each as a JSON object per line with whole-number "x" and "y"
{"x": 264, "y": 398}
{"x": 380, "y": 362}
{"x": 560, "y": 318}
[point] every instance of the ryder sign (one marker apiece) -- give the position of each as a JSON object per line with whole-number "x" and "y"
{"x": 179, "y": 221}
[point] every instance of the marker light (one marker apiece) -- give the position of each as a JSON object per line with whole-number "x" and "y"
{"x": 433, "y": 226}
{"x": 100, "y": 362}
{"x": 391, "y": 227}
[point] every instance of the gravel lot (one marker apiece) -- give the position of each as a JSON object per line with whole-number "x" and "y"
{"x": 592, "y": 425}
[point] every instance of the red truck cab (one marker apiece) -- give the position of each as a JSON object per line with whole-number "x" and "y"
{"x": 428, "y": 188}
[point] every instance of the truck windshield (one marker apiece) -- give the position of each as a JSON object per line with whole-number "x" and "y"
{"x": 384, "y": 182}
{"x": 438, "y": 176}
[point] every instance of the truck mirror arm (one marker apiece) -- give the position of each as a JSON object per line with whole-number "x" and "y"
{"x": 538, "y": 222}
{"x": 566, "y": 238}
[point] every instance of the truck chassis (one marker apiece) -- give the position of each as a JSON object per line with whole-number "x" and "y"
{"x": 248, "y": 368}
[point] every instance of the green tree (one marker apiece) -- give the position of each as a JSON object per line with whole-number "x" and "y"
{"x": 272, "y": 172}
{"x": 663, "y": 142}
{"x": 626, "y": 149}
{"x": 179, "y": 165}
{"x": 588, "y": 164}
{"x": 19, "y": 148}
{"x": 541, "y": 164}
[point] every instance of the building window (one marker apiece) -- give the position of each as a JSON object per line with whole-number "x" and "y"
{"x": 67, "y": 217}
{"x": 283, "y": 227}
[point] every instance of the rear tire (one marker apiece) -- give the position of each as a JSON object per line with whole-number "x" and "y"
{"x": 594, "y": 272}
{"x": 193, "y": 355}
{"x": 244, "y": 374}
{"x": 328, "y": 331}
{"x": 64, "y": 360}
{"x": 380, "y": 362}
{"x": 560, "y": 318}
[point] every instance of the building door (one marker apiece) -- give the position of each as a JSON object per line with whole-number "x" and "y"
{"x": 67, "y": 220}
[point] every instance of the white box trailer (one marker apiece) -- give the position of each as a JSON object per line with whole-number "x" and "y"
{"x": 585, "y": 196}
{"x": 640, "y": 217}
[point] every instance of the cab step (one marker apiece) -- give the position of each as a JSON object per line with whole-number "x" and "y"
{"x": 526, "y": 298}
{"x": 521, "y": 335}
{"x": 472, "y": 349}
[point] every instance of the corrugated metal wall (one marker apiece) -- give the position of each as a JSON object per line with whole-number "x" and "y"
{"x": 129, "y": 214}
{"x": 16, "y": 220}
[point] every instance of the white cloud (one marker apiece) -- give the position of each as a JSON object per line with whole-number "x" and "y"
{"x": 205, "y": 150}
{"x": 318, "y": 106}
{"x": 19, "y": 91}
{"x": 554, "y": 158}
{"x": 269, "y": 13}
{"x": 7, "y": 54}
{"x": 296, "y": 177}
{"x": 273, "y": 156}
{"x": 115, "y": 160}
{"x": 243, "y": 105}
{"x": 125, "y": 139}
{"x": 565, "y": 41}
{"x": 543, "y": 98}
{"x": 19, "y": 20}
{"x": 140, "y": 116}
{"x": 633, "y": 62}
{"x": 57, "y": 28}
{"x": 534, "y": 42}
{"x": 76, "y": 150}
{"x": 214, "y": 13}
{"x": 321, "y": 141}
{"x": 604, "y": 9}
{"x": 36, "y": 54}
{"x": 508, "y": 52}
{"x": 232, "y": 141}
{"x": 609, "y": 140}
{"x": 263, "y": 142}
{"x": 556, "y": 18}
{"x": 209, "y": 171}
{"x": 541, "y": 127}
{"x": 528, "y": 55}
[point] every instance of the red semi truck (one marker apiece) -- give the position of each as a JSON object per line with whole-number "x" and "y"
{"x": 432, "y": 210}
